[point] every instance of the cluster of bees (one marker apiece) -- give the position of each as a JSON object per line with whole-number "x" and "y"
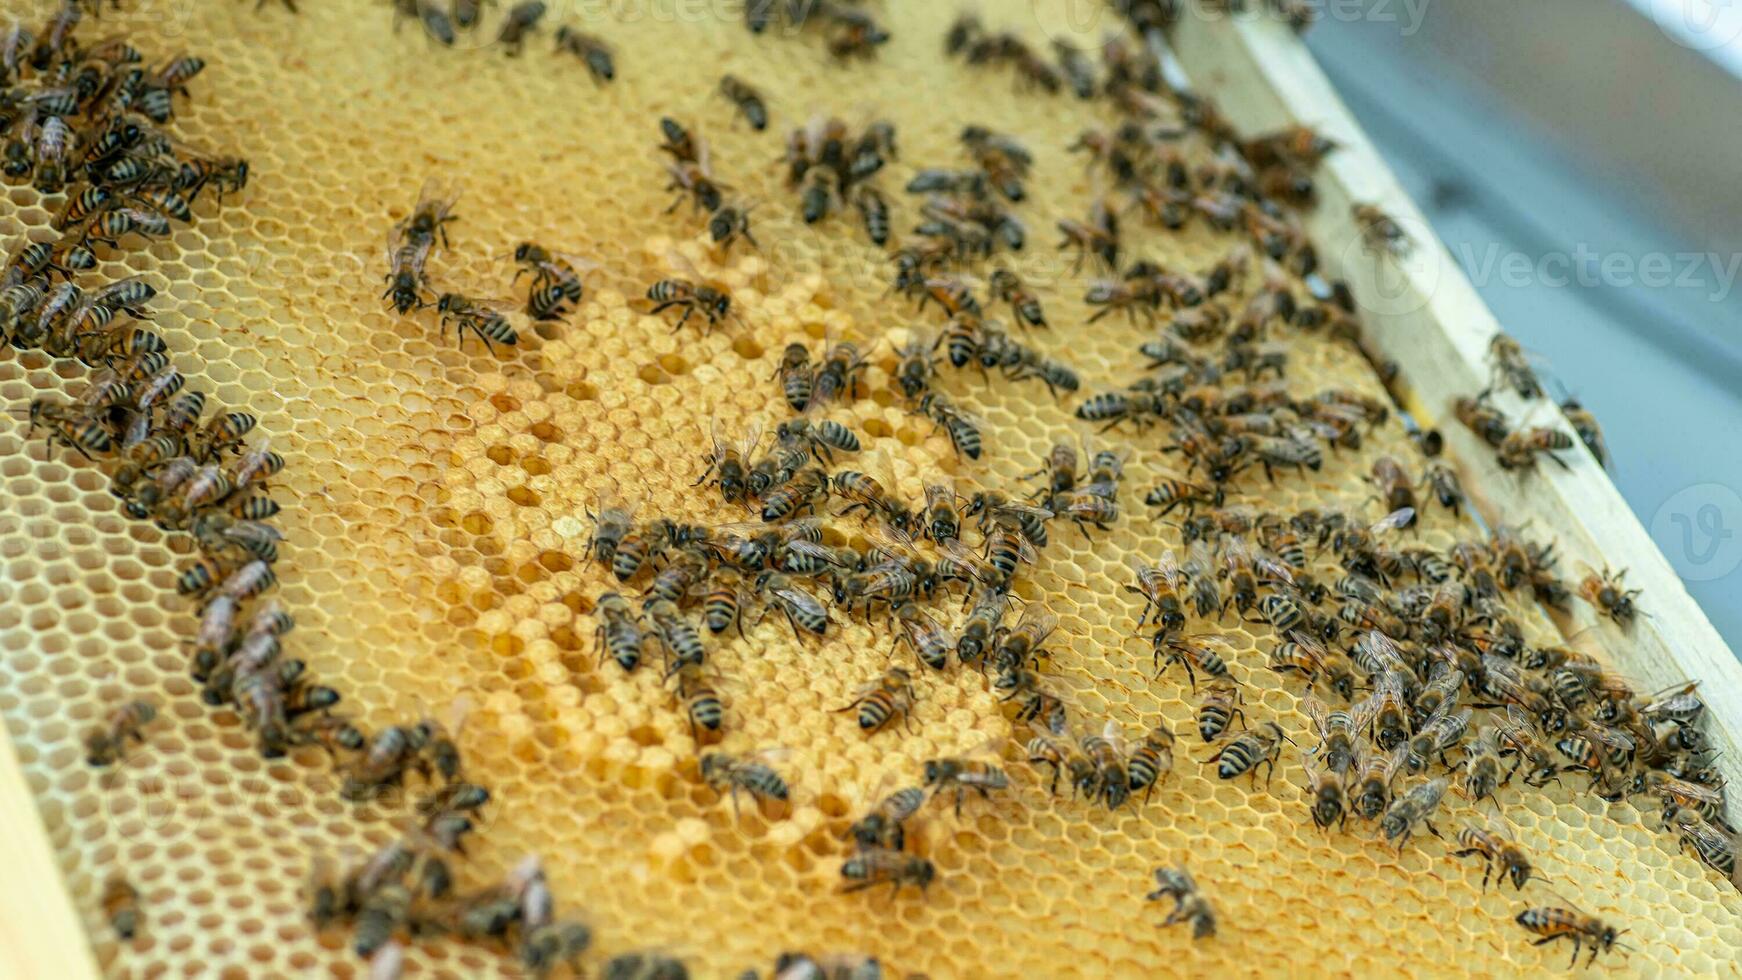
{"x": 849, "y": 31}
{"x": 1069, "y": 67}
{"x": 1518, "y": 448}
{"x": 408, "y": 887}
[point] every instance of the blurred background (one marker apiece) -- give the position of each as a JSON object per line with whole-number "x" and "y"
{"x": 1579, "y": 158}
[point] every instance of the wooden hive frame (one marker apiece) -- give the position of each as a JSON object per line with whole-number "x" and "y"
{"x": 1424, "y": 315}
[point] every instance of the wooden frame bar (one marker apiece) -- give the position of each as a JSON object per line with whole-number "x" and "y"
{"x": 1423, "y": 314}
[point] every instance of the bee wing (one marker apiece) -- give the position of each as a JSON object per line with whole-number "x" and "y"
{"x": 978, "y": 566}
{"x": 1395, "y": 763}
{"x": 1394, "y": 520}
{"x": 1611, "y": 738}
{"x": 436, "y": 194}
{"x": 893, "y": 542}
{"x": 1037, "y": 620}
{"x": 1273, "y": 568}
{"x": 1316, "y": 710}
{"x": 1362, "y": 712}
{"x": 770, "y": 754}
{"x": 802, "y": 600}
{"x": 992, "y": 745}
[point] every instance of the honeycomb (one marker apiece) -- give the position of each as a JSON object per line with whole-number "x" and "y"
{"x": 435, "y": 552}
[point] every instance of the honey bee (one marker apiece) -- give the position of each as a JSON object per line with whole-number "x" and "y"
{"x": 921, "y": 633}
{"x": 1151, "y": 759}
{"x": 962, "y": 774}
{"x": 1557, "y": 923}
{"x": 555, "y": 283}
{"x": 712, "y": 301}
{"x": 1098, "y": 235}
{"x": 522, "y": 19}
{"x": 1714, "y": 846}
{"x": 1250, "y": 750}
{"x": 962, "y": 428}
{"x": 1328, "y": 794}
{"x": 884, "y": 827}
{"x": 1022, "y": 642}
{"x": 1380, "y": 232}
{"x": 981, "y": 626}
{"x": 619, "y": 630}
{"x": 406, "y": 283}
{"x": 1415, "y": 807}
{"x": 1063, "y": 757}
{"x": 915, "y": 368}
{"x": 1520, "y": 449}
{"x": 1443, "y": 481}
{"x": 1439, "y": 732}
{"x": 1160, "y": 586}
{"x": 126, "y": 724}
{"x": 1106, "y": 754}
{"x": 878, "y": 866}
{"x": 802, "y": 610}
{"x": 1190, "y": 905}
{"x": 883, "y": 699}
{"x": 702, "y": 706}
{"x": 722, "y": 771}
{"x": 1585, "y": 426}
{"x": 1511, "y": 366}
{"x": 477, "y": 316}
{"x": 747, "y": 99}
{"x": 680, "y": 640}
{"x": 1007, "y": 287}
{"x": 730, "y": 222}
{"x": 120, "y": 903}
{"x": 546, "y": 945}
{"x": 873, "y": 212}
{"x": 1519, "y": 737}
{"x": 644, "y": 965}
{"x": 856, "y": 33}
{"x": 1483, "y": 419}
{"x": 1498, "y": 853}
{"x": 1218, "y": 707}
{"x": 1196, "y": 653}
{"x": 592, "y": 50}
{"x": 1374, "y": 773}
{"x": 1336, "y": 732}
{"x": 1605, "y": 591}
{"x": 694, "y": 181}
{"x": 807, "y": 490}
{"x": 729, "y": 464}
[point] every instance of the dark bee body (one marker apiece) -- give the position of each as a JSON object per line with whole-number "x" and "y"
{"x": 105, "y": 745}
{"x": 802, "y": 610}
{"x": 1482, "y": 419}
{"x": 1512, "y": 367}
{"x": 1611, "y": 598}
{"x": 120, "y": 902}
{"x": 1446, "y": 487}
{"x": 1585, "y": 426}
{"x": 748, "y": 100}
{"x": 883, "y": 826}
{"x": 520, "y": 22}
{"x": 1329, "y": 800}
{"x": 620, "y": 630}
{"x": 592, "y": 50}
{"x": 1150, "y": 760}
{"x": 1189, "y": 903}
{"x": 884, "y": 699}
{"x": 722, "y": 608}
{"x": 702, "y": 705}
{"x": 1498, "y": 854}
{"x": 962, "y": 775}
{"x": 873, "y": 212}
{"x": 887, "y": 867}
{"x": 1196, "y": 653}
{"x": 729, "y": 464}
{"x": 797, "y": 377}
{"x": 977, "y": 631}
{"x": 734, "y": 774}
{"x": 1250, "y": 750}
{"x": 714, "y": 304}
{"x": 929, "y": 641}
{"x": 1108, "y": 759}
{"x": 470, "y": 314}
{"x": 1558, "y": 923}
{"x": 1217, "y": 708}
{"x": 728, "y": 223}
{"x": 962, "y": 429}
{"x": 1520, "y": 449}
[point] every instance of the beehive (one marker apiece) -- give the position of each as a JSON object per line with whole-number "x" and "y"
{"x": 435, "y": 552}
